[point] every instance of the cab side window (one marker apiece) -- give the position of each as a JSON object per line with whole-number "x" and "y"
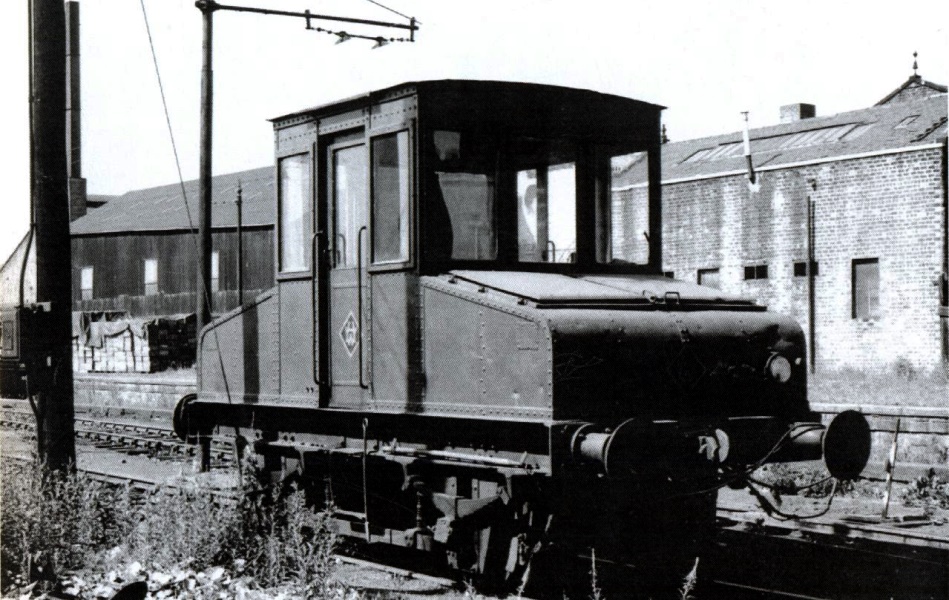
{"x": 295, "y": 213}
{"x": 390, "y": 198}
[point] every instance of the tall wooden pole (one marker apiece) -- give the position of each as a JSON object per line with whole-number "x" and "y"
{"x": 50, "y": 370}
{"x": 203, "y": 309}
{"x": 240, "y": 245}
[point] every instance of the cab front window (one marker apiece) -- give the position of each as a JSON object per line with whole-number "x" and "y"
{"x": 536, "y": 202}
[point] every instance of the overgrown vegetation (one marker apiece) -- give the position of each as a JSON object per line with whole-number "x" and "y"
{"x": 73, "y": 534}
{"x": 929, "y": 492}
{"x": 902, "y": 384}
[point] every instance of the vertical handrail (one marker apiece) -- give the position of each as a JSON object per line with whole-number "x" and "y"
{"x": 552, "y": 249}
{"x": 314, "y": 300}
{"x": 365, "y": 483}
{"x": 362, "y": 229}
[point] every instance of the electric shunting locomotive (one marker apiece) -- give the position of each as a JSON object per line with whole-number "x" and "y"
{"x": 471, "y": 350}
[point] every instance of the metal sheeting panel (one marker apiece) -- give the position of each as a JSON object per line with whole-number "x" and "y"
{"x": 392, "y": 114}
{"x": 296, "y": 347}
{"x": 482, "y": 359}
{"x": 241, "y": 342}
{"x": 392, "y": 342}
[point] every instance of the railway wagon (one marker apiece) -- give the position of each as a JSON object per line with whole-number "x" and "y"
{"x": 471, "y": 352}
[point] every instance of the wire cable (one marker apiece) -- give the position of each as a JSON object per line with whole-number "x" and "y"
{"x": 164, "y": 103}
{"x": 393, "y": 11}
{"x": 184, "y": 198}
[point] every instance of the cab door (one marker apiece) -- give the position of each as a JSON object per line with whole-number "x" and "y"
{"x": 348, "y": 319}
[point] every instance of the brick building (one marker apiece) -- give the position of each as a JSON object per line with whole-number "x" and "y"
{"x": 874, "y": 183}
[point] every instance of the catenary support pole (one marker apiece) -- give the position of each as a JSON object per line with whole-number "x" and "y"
{"x": 203, "y": 308}
{"x": 50, "y": 367}
{"x": 240, "y": 245}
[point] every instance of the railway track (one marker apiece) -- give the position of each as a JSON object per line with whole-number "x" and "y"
{"x": 132, "y": 432}
{"x": 839, "y": 560}
{"x": 753, "y": 559}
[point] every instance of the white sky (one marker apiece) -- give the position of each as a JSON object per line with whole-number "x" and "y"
{"x": 706, "y": 61}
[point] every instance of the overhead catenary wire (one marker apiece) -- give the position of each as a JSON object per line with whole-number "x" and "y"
{"x": 392, "y": 10}
{"x": 184, "y": 198}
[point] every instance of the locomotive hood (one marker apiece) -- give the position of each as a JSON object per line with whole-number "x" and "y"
{"x": 557, "y": 290}
{"x": 629, "y": 345}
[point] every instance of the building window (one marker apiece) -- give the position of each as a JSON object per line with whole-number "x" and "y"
{"x": 215, "y": 271}
{"x": 151, "y": 276}
{"x": 709, "y": 278}
{"x": 390, "y": 198}
{"x": 800, "y": 269}
{"x": 756, "y": 272}
{"x": 85, "y": 283}
{"x": 295, "y": 210}
{"x": 669, "y": 274}
{"x": 866, "y": 288}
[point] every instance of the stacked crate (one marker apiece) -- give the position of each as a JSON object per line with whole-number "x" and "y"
{"x": 171, "y": 341}
{"x": 110, "y": 343}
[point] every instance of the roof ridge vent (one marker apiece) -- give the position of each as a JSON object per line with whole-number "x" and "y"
{"x": 797, "y": 112}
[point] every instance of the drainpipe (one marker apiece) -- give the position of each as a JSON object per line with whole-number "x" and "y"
{"x": 811, "y": 325}
{"x": 944, "y": 277}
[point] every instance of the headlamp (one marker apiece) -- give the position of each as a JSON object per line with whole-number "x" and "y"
{"x": 779, "y": 368}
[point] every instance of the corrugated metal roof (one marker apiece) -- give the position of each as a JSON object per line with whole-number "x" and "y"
{"x": 163, "y": 209}
{"x": 878, "y": 128}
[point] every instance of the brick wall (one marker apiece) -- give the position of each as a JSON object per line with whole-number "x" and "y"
{"x": 887, "y": 207}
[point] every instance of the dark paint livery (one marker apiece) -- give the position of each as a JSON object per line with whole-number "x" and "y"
{"x": 499, "y": 403}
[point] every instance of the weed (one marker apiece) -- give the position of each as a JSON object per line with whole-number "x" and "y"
{"x": 51, "y": 523}
{"x": 688, "y": 584}
{"x": 929, "y": 491}
{"x": 284, "y": 539}
{"x": 912, "y": 386}
{"x": 596, "y": 593}
{"x": 904, "y": 368}
{"x": 790, "y": 479}
{"x": 67, "y": 530}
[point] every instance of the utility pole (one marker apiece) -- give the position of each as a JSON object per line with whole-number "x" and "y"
{"x": 203, "y": 308}
{"x": 240, "y": 245}
{"x": 207, "y": 8}
{"x": 50, "y": 367}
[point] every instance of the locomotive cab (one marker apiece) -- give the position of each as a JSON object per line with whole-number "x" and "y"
{"x": 471, "y": 350}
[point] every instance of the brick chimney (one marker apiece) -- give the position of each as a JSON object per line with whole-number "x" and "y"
{"x": 796, "y": 112}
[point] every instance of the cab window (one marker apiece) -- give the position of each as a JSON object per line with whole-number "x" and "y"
{"x": 295, "y": 212}
{"x": 390, "y": 198}
{"x": 628, "y": 207}
{"x": 515, "y": 200}
{"x": 466, "y": 170}
{"x": 349, "y": 196}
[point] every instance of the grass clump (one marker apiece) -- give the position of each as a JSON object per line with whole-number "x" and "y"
{"x": 69, "y": 533}
{"x": 51, "y": 523}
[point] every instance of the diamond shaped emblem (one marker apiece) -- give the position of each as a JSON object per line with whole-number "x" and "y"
{"x": 350, "y": 333}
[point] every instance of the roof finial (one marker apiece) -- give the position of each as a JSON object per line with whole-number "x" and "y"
{"x": 915, "y": 66}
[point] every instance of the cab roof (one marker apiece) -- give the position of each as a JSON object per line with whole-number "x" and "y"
{"x": 479, "y": 87}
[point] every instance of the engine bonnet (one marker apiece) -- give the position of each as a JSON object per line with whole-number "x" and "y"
{"x": 558, "y": 290}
